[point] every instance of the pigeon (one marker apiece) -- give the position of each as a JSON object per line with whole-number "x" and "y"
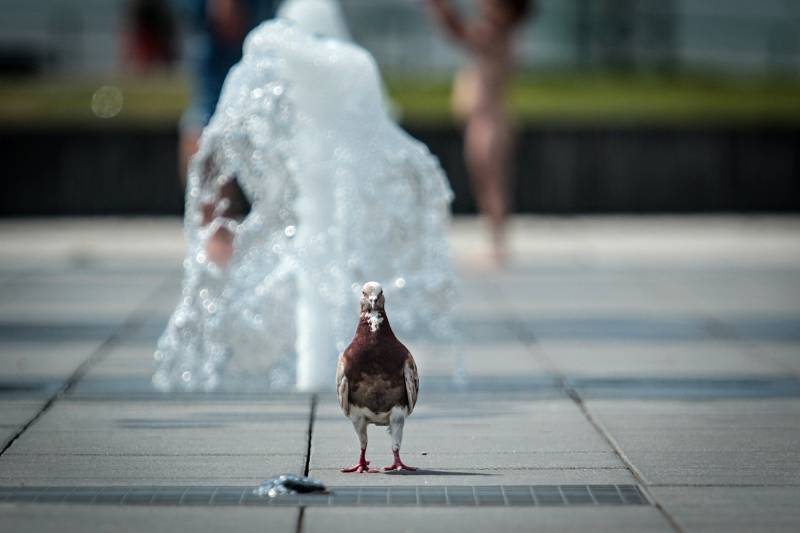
{"x": 376, "y": 378}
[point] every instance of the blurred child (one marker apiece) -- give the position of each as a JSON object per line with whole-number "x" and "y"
{"x": 479, "y": 92}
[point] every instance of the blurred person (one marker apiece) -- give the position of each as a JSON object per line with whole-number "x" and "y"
{"x": 338, "y": 195}
{"x": 151, "y": 38}
{"x": 479, "y": 94}
{"x": 221, "y": 27}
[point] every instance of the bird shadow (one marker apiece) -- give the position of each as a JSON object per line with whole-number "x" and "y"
{"x": 427, "y": 472}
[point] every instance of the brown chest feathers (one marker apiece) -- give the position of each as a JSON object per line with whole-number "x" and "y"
{"x": 374, "y": 364}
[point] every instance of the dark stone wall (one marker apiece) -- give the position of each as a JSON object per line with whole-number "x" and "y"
{"x": 89, "y": 172}
{"x": 557, "y": 170}
{"x": 638, "y": 169}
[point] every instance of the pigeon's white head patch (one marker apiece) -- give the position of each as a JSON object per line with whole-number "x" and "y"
{"x": 372, "y": 303}
{"x": 371, "y": 289}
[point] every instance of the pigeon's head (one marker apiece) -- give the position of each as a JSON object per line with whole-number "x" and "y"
{"x": 372, "y": 297}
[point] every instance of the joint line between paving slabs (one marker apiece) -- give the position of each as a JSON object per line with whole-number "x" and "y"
{"x": 301, "y": 514}
{"x": 312, "y": 415}
{"x": 576, "y": 398}
{"x": 130, "y": 324}
{"x": 310, "y": 434}
{"x": 528, "y": 338}
{"x": 70, "y": 382}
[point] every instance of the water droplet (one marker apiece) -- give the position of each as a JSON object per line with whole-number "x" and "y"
{"x": 107, "y": 101}
{"x": 400, "y": 283}
{"x": 158, "y": 356}
{"x": 186, "y": 376}
{"x": 290, "y": 231}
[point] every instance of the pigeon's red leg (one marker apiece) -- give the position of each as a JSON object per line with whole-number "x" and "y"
{"x": 362, "y": 466}
{"x": 398, "y": 464}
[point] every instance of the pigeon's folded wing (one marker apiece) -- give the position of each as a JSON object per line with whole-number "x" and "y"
{"x": 412, "y": 382}
{"x": 342, "y": 388}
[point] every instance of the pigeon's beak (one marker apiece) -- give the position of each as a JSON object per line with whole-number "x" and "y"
{"x": 372, "y": 300}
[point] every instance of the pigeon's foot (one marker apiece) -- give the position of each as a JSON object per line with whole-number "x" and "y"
{"x": 361, "y": 467}
{"x": 398, "y": 464}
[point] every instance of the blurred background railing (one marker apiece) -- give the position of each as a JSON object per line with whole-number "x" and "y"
{"x": 632, "y": 105}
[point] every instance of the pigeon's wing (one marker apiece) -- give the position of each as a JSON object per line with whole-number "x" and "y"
{"x": 342, "y": 388}
{"x": 412, "y": 382}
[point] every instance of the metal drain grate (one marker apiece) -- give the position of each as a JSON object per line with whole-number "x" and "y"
{"x": 420, "y": 495}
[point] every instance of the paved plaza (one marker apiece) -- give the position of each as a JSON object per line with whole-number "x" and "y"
{"x": 615, "y": 357}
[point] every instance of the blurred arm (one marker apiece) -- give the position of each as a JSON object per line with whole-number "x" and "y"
{"x": 450, "y": 20}
{"x": 478, "y": 36}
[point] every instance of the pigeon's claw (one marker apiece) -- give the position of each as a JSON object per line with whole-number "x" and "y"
{"x": 360, "y": 468}
{"x": 399, "y": 467}
{"x": 398, "y": 464}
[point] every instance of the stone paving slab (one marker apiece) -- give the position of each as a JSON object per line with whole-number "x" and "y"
{"x": 80, "y": 519}
{"x": 122, "y": 428}
{"x": 723, "y": 292}
{"x": 85, "y": 443}
{"x": 784, "y": 354}
{"x": 42, "y": 298}
{"x": 43, "y": 360}
{"x": 502, "y": 360}
{"x": 128, "y": 359}
{"x": 492, "y": 442}
{"x": 499, "y": 359}
{"x": 145, "y": 470}
{"x": 555, "y": 474}
{"x": 719, "y": 442}
{"x": 574, "y": 296}
{"x": 651, "y": 291}
{"x": 638, "y": 359}
{"x": 14, "y": 414}
{"x": 725, "y": 509}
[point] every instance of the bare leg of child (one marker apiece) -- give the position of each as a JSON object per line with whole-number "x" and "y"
{"x": 487, "y": 147}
